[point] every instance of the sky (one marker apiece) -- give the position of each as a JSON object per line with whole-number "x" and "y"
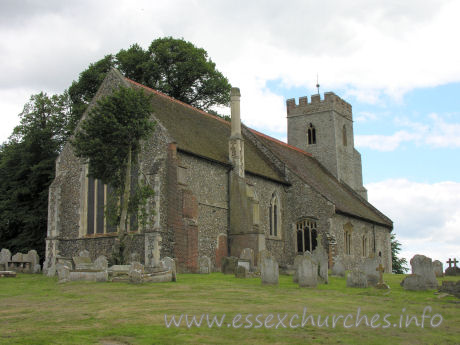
{"x": 396, "y": 62}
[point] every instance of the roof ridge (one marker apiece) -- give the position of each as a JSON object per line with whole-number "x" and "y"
{"x": 161, "y": 94}
{"x": 280, "y": 142}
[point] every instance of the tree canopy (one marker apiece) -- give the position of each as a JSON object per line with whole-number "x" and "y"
{"x": 398, "y": 264}
{"x": 173, "y": 66}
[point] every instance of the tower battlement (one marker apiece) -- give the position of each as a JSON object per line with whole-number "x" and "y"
{"x": 330, "y": 102}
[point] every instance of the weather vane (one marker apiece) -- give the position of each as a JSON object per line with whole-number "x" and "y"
{"x": 317, "y": 83}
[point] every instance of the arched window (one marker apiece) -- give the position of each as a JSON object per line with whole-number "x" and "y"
{"x": 347, "y": 228}
{"x": 307, "y": 236}
{"x": 311, "y": 135}
{"x": 275, "y": 216}
{"x": 344, "y": 135}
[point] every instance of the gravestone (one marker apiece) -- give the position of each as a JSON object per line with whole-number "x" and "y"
{"x": 422, "y": 277}
{"x": 84, "y": 253}
{"x": 338, "y": 269}
{"x": 169, "y": 264}
{"x": 381, "y": 284}
{"x": 7, "y": 274}
{"x": 357, "y": 279}
{"x": 82, "y": 263}
{"x": 248, "y": 254}
{"x": 452, "y": 270}
{"x": 245, "y": 263}
{"x": 101, "y": 263}
{"x": 437, "y": 266}
{"x": 18, "y": 257}
{"x": 136, "y": 272}
{"x": 5, "y": 257}
{"x": 63, "y": 273}
{"x": 451, "y": 287}
{"x": 33, "y": 258}
{"x": 269, "y": 270}
{"x": 297, "y": 261}
{"x": 307, "y": 272}
{"x": 156, "y": 250}
{"x": 320, "y": 256}
{"x": 369, "y": 268}
{"x": 204, "y": 264}
{"x": 229, "y": 264}
{"x": 241, "y": 272}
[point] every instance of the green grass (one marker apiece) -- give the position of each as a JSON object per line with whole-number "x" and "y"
{"x": 37, "y": 310}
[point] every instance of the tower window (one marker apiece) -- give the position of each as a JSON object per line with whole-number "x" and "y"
{"x": 311, "y": 135}
{"x": 348, "y": 228}
{"x": 344, "y": 135}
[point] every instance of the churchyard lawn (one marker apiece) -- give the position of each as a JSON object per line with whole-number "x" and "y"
{"x": 37, "y": 310}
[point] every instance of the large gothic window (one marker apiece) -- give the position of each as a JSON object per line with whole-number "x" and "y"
{"x": 95, "y": 202}
{"x": 275, "y": 216}
{"x": 311, "y": 135}
{"x": 307, "y": 236}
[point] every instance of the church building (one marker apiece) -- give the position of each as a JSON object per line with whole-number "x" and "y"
{"x": 221, "y": 187}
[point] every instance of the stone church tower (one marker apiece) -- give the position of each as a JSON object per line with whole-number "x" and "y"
{"x": 325, "y": 129}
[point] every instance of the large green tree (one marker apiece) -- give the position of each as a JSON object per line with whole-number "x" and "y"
{"x": 173, "y": 66}
{"x": 398, "y": 264}
{"x": 109, "y": 138}
{"x": 27, "y": 163}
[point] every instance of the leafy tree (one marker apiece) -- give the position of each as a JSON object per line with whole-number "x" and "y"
{"x": 27, "y": 163}
{"x": 109, "y": 140}
{"x": 399, "y": 264}
{"x": 173, "y": 66}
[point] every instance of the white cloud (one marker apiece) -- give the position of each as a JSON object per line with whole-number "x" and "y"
{"x": 426, "y": 216}
{"x": 437, "y": 133}
{"x": 365, "y": 116}
{"x": 365, "y": 47}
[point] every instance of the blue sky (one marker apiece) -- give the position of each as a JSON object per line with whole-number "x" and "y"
{"x": 396, "y": 62}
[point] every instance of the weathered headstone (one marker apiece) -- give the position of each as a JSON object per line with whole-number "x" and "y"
{"x": 422, "y": 277}
{"x": 37, "y": 269}
{"x": 18, "y": 257}
{"x": 84, "y": 253}
{"x": 63, "y": 273}
{"x": 169, "y": 264}
{"x": 307, "y": 272}
{"x": 156, "y": 250}
{"x": 269, "y": 270}
{"x": 357, "y": 278}
{"x": 229, "y": 264}
{"x": 5, "y": 256}
{"x": 245, "y": 263}
{"x": 204, "y": 264}
{"x": 82, "y": 263}
{"x": 339, "y": 268}
{"x": 136, "y": 272}
{"x": 297, "y": 261}
{"x": 101, "y": 263}
{"x": 33, "y": 258}
{"x": 369, "y": 268}
{"x": 241, "y": 272}
{"x": 248, "y": 254}
{"x": 320, "y": 256}
{"x": 437, "y": 266}
{"x": 451, "y": 287}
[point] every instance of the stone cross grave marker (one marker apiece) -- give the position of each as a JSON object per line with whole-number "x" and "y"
{"x": 449, "y": 262}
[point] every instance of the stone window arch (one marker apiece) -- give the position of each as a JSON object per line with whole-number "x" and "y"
{"x": 306, "y": 235}
{"x": 344, "y": 135}
{"x": 311, "y": 135}
{"x": 347, "y": 232}
{"x": 275, "y": 216}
